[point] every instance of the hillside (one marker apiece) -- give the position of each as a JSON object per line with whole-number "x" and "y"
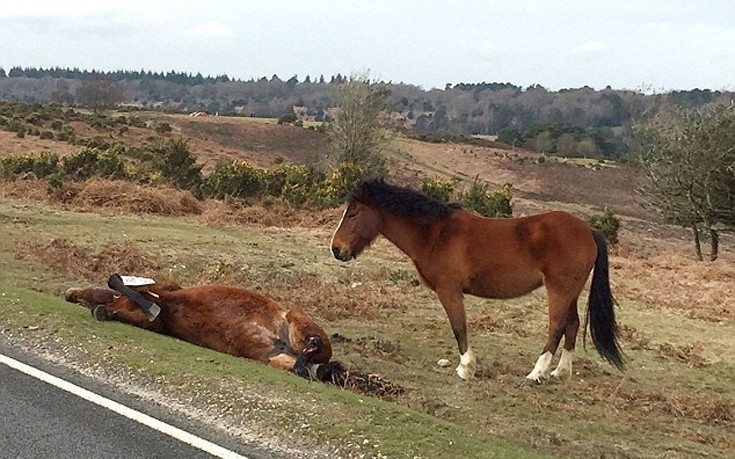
{"x": 676, "y": 315}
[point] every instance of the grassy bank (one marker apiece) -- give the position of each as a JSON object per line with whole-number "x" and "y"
{"x": 675, "y": 400}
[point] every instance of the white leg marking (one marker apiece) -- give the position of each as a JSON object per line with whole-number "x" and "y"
{"x": 466, "y": 368}
{"x": 564, "y": 368}
{"x": 541, "y": 369}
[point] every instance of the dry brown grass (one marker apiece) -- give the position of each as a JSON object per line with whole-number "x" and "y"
{"x": 702, "y": 290}
{"x": 107, "y": 197}
{"x": 277, "y": 214}
{"x": 26, "y": 190}
{"x": 126, "y": 197}
{"x": 704, "y": 407}
{"x": 67, "y": 257}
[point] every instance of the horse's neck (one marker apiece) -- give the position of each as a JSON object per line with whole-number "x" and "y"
{"x": 411, "y": 236}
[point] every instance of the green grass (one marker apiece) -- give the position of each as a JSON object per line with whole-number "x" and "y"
{"x": 664, "y": 405}
{"x": 336, "y": 415}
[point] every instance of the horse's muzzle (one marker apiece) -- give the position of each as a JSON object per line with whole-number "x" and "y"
{"x": 341, "y": 255}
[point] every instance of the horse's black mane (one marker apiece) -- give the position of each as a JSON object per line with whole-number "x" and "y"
{"x": 400, "y": 201}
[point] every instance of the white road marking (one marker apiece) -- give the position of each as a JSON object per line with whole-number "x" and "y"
{"x": 123, "y": 410}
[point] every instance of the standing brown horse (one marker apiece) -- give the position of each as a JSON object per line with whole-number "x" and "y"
{"x": 457, "y": 252}
{"x": 226, "y": 318}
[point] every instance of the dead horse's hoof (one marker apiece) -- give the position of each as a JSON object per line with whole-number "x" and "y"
{"x": 100, "y": 313}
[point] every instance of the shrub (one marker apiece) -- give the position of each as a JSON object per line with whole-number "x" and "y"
{"x": 163, "y": 128}
{"x": 111, "y": 164}
{"x": 97, "y": 142}
{"x": 81, "y": 165}
{"x": 41, "y": 166}
{"x": 337, "y": 186}
{"x": 177, "y": 164}
{"x": 438, "y": 188}
{"x": 287, "y": 118}
{"x": 46, "y": 135}
{"x": 237, "y": 179}
{"x": 608, "y": 224}
{"x": 488, "y": 203}
{"x": 66, "y": 134}
{"x": 295, "y": 182}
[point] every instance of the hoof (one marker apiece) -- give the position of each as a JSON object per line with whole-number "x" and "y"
{"x": 529, "y": 382}
{"x": 465, "y": 372}
{"x": 561, "y": 375}
{"x": 100, "y": 313}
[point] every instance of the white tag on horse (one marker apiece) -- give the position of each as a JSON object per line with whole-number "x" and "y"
{"x": 135, "y": 281}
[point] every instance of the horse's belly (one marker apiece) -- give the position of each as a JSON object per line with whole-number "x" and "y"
{"x": 507, "y": 284}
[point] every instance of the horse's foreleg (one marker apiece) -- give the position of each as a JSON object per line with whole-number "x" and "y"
{"x": 454, "y": 307}
{"x": 564, "y": 368}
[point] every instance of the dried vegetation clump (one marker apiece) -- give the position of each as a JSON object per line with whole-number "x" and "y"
{"x": 65, "y": 256}
{"x": 702, "y": 290}
{"x": 126, "y": 197}
{"x": 360, "y": 382}
{"x": 706, "y": 408}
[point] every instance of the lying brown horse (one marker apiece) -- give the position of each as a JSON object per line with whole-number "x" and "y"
{"x": 225, "y": 318}
{"x": 457, "y": 252}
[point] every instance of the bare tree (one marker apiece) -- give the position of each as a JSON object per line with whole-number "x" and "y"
{"x": 100, "y": 92}
{"x": 359, "y": 131}
{"x": 688, "y": 157}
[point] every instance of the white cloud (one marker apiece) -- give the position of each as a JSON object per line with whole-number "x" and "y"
{"x": 213, "y": 29}
{"x": 55, "y": 9}
{"x": 489, "y": 48}
{"x": 590, "y": 48}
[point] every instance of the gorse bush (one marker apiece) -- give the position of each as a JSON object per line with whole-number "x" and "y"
{"x": 496, "y": 203}
{"x": 176, "y": 163}
{"x": 238, "y": 179}
{"x": 438, "y": 188}
{"x": 608, "y": 224}
{"x": 40, "y": 166}
{"x": 339, "y": 184}
{"x": 111, "y": 163}
{"x": 294, "y": 183}
{"x": 81, "y": 165}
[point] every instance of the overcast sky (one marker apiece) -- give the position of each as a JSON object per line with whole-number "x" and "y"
{"x": 628, "y": 44}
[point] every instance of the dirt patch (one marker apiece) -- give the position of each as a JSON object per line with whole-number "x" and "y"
{"x": 12, "y": 145}
{"x": 264, "y": 144}
{"x": 352, "y": 379}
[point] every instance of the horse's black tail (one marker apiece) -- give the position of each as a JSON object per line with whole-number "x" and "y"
{"x": 601, "y": 308}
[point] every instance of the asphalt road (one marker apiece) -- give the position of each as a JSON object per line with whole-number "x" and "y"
{"x": 39, "y": 420}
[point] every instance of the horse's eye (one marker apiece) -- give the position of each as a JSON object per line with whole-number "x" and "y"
{"x": 351, "y": 215}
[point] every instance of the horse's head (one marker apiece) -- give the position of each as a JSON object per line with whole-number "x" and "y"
{"x": 307, "y": 337}
{"x": 106, "y": 304}
{"x": 359, "y": 226}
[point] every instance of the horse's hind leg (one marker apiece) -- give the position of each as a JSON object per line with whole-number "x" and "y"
{"x": 558, "y": 315}
{"x": 564, "y": 368}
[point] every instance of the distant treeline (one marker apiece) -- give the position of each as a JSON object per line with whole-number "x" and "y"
{"x": 463, "y": 108}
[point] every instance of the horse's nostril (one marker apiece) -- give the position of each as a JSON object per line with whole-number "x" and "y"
{"x": 335, "y": 252}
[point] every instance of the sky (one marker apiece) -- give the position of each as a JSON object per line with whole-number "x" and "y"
{"x": 645, "y": 45}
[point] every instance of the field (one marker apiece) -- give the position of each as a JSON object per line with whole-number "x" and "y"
{"x": 676, "y": 398}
